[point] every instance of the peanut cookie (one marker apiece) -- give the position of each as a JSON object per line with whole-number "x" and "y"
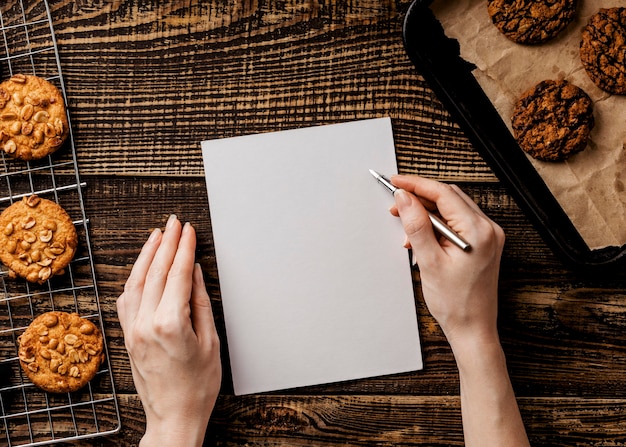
{"x": 33, "y": 118}
{"x": 61, "y": 352}
{"x": 553, "y": 120}
{"x": 531, "y": 21}
{"x": 37, "y": 239}
{"x": 603, "y": 50}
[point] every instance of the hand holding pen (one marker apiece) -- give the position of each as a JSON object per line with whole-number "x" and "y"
{"x": 461, "y": 292}
{"x": 438, "y": 224}
{"x": 456, "y": 285}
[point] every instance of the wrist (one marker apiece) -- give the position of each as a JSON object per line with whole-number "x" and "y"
{"x": 472, "y": 336}
{"x": 174, "y": 433}
{"x": 476, "y": 347}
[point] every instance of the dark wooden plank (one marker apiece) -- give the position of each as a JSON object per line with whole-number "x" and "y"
{"x": 385, "y": 421}
{"x": 145, "y": 88}
{"x": 391, "y": 421}
{"x": 312, "y": 420}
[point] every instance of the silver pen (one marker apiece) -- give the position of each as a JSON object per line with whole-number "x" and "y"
{"x": 438, "y": 224}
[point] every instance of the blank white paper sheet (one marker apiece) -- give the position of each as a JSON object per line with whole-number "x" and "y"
{"x": 316, "y": 286}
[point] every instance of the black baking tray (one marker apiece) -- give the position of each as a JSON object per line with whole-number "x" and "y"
{"x": 438, "y": 60}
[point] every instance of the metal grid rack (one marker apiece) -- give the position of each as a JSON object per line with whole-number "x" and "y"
{"x": 28, "y": 416}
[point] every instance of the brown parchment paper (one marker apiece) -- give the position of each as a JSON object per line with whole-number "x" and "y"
{"x": 590, "y": 186}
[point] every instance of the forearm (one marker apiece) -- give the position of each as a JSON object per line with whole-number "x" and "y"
{"x": 489, "y": 409}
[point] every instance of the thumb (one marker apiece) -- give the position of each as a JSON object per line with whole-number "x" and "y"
{"x": 417, "y": 226}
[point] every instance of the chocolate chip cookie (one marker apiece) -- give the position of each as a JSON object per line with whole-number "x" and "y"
{"x": 603, "y": 49}
{"x": 531, "y": 21}
{"x": 61, "y": 352}
{"x": 33, "y": 117}
{"x": 553, "y": 120}
{"x": 37, "y": 239}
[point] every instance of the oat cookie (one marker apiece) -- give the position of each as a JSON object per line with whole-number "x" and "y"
{"x": 37, "y": 239}
{"x": 603, "y": 49}
{"x": 531, "y": 21}
{"x": 33, "y": 119}
{"x": 60, "y": 352}
{"x": 553, "y": 120}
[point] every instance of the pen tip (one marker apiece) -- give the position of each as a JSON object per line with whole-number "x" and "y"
{"x": 374, "y": 173}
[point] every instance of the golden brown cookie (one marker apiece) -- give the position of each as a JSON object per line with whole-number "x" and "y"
{"x": 603, "y": 49}
{"x": 37, "y": 239}
{"x": 531, "y": 21}
{"x": 61, "y": 352}
{"x": 33, "y": 118}
{"x": 553, "y": 120}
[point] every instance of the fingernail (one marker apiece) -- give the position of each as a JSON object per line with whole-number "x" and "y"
{"x": 403, "y": 199}
{"x": 407, "y": 243}
{"x": 170, "y": 220}
{"x": 154, "y": 235}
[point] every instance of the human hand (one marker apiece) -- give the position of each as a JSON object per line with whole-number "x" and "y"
{"x": 170, "y": 335}
{"x": 460, "y": 288}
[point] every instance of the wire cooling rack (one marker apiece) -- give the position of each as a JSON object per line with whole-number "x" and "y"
{"x": 28, "y": 416}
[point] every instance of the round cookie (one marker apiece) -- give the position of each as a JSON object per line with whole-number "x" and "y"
{"x": 603, "y": 49}
{"x": 531, "y": 21}
{"x": 61, "y": 352}
{"x": 37, "y": 239}
{"x": 553, "y": 120}
{"x": 33, "y": 118}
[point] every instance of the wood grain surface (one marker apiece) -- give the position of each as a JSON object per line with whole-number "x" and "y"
{"x": 148, "y": 80}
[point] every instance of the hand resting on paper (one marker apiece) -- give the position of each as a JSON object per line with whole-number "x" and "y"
{"x": 461, "y": 292}
{"x": 170, "y": 336}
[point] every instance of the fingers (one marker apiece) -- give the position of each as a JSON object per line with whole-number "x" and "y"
{"x": 417, "y": 226}
{"x": 178, "y": 288}
{"x": 166, "y": 285}
{"x": 459, "y": 211}
{"x": 442, "y": 195}
{"x": 452, "y": 204}
{"x": 157, "y": 273}
{"x": 128, "y": 303}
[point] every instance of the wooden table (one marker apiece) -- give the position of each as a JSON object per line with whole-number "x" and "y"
{"x": 148, "y": 80}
